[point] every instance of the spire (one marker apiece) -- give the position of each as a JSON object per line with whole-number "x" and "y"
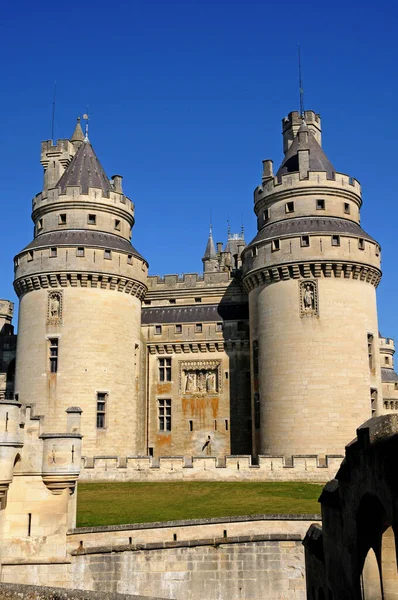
{"x": 85, "y": 171}
{"x": 210, "y": 251}
{"x": 78, "y": 135}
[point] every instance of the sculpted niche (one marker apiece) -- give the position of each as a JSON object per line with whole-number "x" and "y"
{"x": 200, "y": 377}
{"x": 54, "y": 308}
{"x": 308, "y": 298}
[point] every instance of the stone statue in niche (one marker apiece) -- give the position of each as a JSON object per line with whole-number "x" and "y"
{"x": 190, "y": 384}
{"x": 54, "y": 311}
{"x": 200, "y": 377}
{"x": 210, "y": 381}
{"x": 308, "y": 298}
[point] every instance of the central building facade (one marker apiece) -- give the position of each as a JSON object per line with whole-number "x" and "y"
{"x": 273, "y": 349}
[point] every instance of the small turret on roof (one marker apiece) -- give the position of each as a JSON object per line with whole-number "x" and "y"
{"x": 85, "y": 171}
{"x": 78, "y": 135}
{"x": 210, "y": 257}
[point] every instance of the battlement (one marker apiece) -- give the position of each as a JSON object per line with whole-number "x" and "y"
{"x": 209, "y": 468}
{"x": 187, "y": 280}
{"x": 50, "y": 197}
{"x": 291, "y": 125}
{"x": 286, "y": 182}
{"x": 387, "y": 344}
{"x": 6, "y": 310}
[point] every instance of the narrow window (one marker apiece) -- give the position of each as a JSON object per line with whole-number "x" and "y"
{"x": 255, "y": 357}
{"x": 30, "y": 255}
{"x": 164, "y": 415}
{"x": 53, "y": 252}
{"x": 289, "y": 207}
{"x": 62, "y": 219}
{"x": 386, "y": 360}
{"x": 215, "y": 425}
{"x": 172, "y": 300}
{"x": 92, "y": 219}
{"x": 335, "y": 240}
{"x": 16, "y": 262}
{"x": 198, "y": 328}
{"x": 129, "y": 259}
{"x": 101, "y": 409}
{"x": 218, "y": 326}
{"x": 254, "y": 251}
{"x": 266, "y": 215}
{"x": 107, "y": 254}
{"x": 226, "y": 424}
{"x": 117, "y": 225}
{"x": 347, "y": 208}
{"x": 39, "y": 224}
{"x": 373, "y": 401}
{"x": 29, "y": 524}
{"x": 276, "y": 245}
{"x": 53, "y": 354}
{"x": 190, "y": 425}
{"x": 320, "y": 204}
{"x": 198, "y": 299}
{"x": 361, "y": 244}
{"x": 178, "y": 328}
{"x": 370, "y": 350}
{"x": 164, "y": 369}
{"x": 158, "y": 329}
{"x": 80, "y": 251}
{"x": 226, "y": 374}
{"x": 377, "y": 250}
{"x": 257, "y": 410}
{"x": 305, "y": 240}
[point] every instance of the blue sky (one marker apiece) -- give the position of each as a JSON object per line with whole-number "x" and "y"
{"x": 186, "y": 99}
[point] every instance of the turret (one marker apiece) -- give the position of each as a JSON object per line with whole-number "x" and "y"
{"x": 210, "y": 259}
{"x": 80, "y": 283}
{"x": 311, "y": 274}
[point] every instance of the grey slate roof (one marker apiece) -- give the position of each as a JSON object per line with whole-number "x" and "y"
{"x": 210, "y": 251}
{"x": 82, "y": 237}
{"x": 389, "y": 376}
{"x": 77, "y": 135}
{"x": 85, "y": 171}
{"x": 195, "y": 314}
{"x": 318, "y": 159}
{"x": 304, "y": 225}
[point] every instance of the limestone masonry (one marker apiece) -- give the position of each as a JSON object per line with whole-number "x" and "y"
{"x": 261, "y": 368}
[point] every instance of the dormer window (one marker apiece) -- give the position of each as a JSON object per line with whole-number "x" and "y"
{"x": 92, "y": 219}
{"x": 289, "y": 207}
{"x": 320, "y": 204}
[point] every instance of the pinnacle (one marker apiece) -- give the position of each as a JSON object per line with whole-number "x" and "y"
{"x": 78, "y": 135}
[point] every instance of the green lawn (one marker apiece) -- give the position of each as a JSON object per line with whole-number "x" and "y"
{"x": 118, "y": 503}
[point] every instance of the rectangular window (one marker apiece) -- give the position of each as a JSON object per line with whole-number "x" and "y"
{"x": 107, "y": 254}
{"x": 289, "y": 207}
{"x": 80, "y": 251}
{"x": 347, "y": 208}
{"x": 101, "y": 409}
{"x": 335, "y": 240}
{"x": 370, "y": 351}
{"x": 386, "y": 360}
{"x": 147, "y": 302}
{"x": 320, "y": 204}
{"x": 117, "y": 225}
{"x": 53, "y": 252}
{"x": 164, "y": 369}
{"x": 373, "y": 401}
{"x": 190, "y": 425}
{"x": 53, "y": 354}
{"x": 39, "y": 224}
{"x": 30, "y": 255}
{"x": 178, "y": 328}
{"x": 361, "y": 244}
{"x": 158, "y": 329}
{"x": 198, "y": 299}
{"x": 164, "y": 415}
{"x": 62, "y": 219}
{"x": 129, "y": 259}
{"x": 254, "y": 252}
{"x": 305, "y": 241}
{"x": 266, "y": 215}
{"x": 275, "y": 245}
{"x": 198, "y": 328}
{"x": 92, "y": 219}
{"x": 172, "y": 300}
{"x": 218, "y": 326}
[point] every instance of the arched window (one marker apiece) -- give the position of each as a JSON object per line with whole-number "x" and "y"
{"x": 370, "y": 579}
{"x": 389, "y": 565}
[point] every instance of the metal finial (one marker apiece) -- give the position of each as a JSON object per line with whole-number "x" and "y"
{"x": 53, "y": 112}
{"x": 85, "y": 117}
{"x": 301, "y": 84}
{"x": 229, "y": 228}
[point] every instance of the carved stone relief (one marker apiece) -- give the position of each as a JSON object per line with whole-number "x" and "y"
{"x": 309, "y": 306}
{"x": 200, "y": 377}
{"x": 54, "y": 308}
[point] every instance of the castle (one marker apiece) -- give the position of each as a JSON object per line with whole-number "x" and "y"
{"x": 273, "y": 350}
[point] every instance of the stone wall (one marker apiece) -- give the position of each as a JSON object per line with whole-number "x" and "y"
{"x": 232, "y": 468}
{"x": 11, "y": 591}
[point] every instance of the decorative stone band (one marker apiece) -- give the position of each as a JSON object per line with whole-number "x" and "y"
{"x": 273, "y": 274}
{"x": 198, "y": 347}
{"x": 104, "y": 281}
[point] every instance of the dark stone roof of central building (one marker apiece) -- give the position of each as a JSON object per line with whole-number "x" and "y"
{"x": 85, "y": 171}
{"x": 195, "y": 314}
{"x": 318, "y": 159}
{"x": 388, "y": 375}
{"x": 82, "y": 237}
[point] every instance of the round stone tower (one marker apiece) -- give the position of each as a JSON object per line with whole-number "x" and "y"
{"x": 311, "y": 274}
{"x": 80, "y": 283}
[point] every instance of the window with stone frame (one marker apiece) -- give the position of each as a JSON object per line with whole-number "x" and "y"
{"x": 53, "y": 354}
{"x": 164, "y": 414}
{"x": 102, "y": 398}
{"x": 164, "y": 369}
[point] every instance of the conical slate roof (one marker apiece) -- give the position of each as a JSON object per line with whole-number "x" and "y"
{"x": 78, "y": 135}
{"x": 318, "y": 159}
{"x": 85, "y": 171}
{"x": 210, "y": 251}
